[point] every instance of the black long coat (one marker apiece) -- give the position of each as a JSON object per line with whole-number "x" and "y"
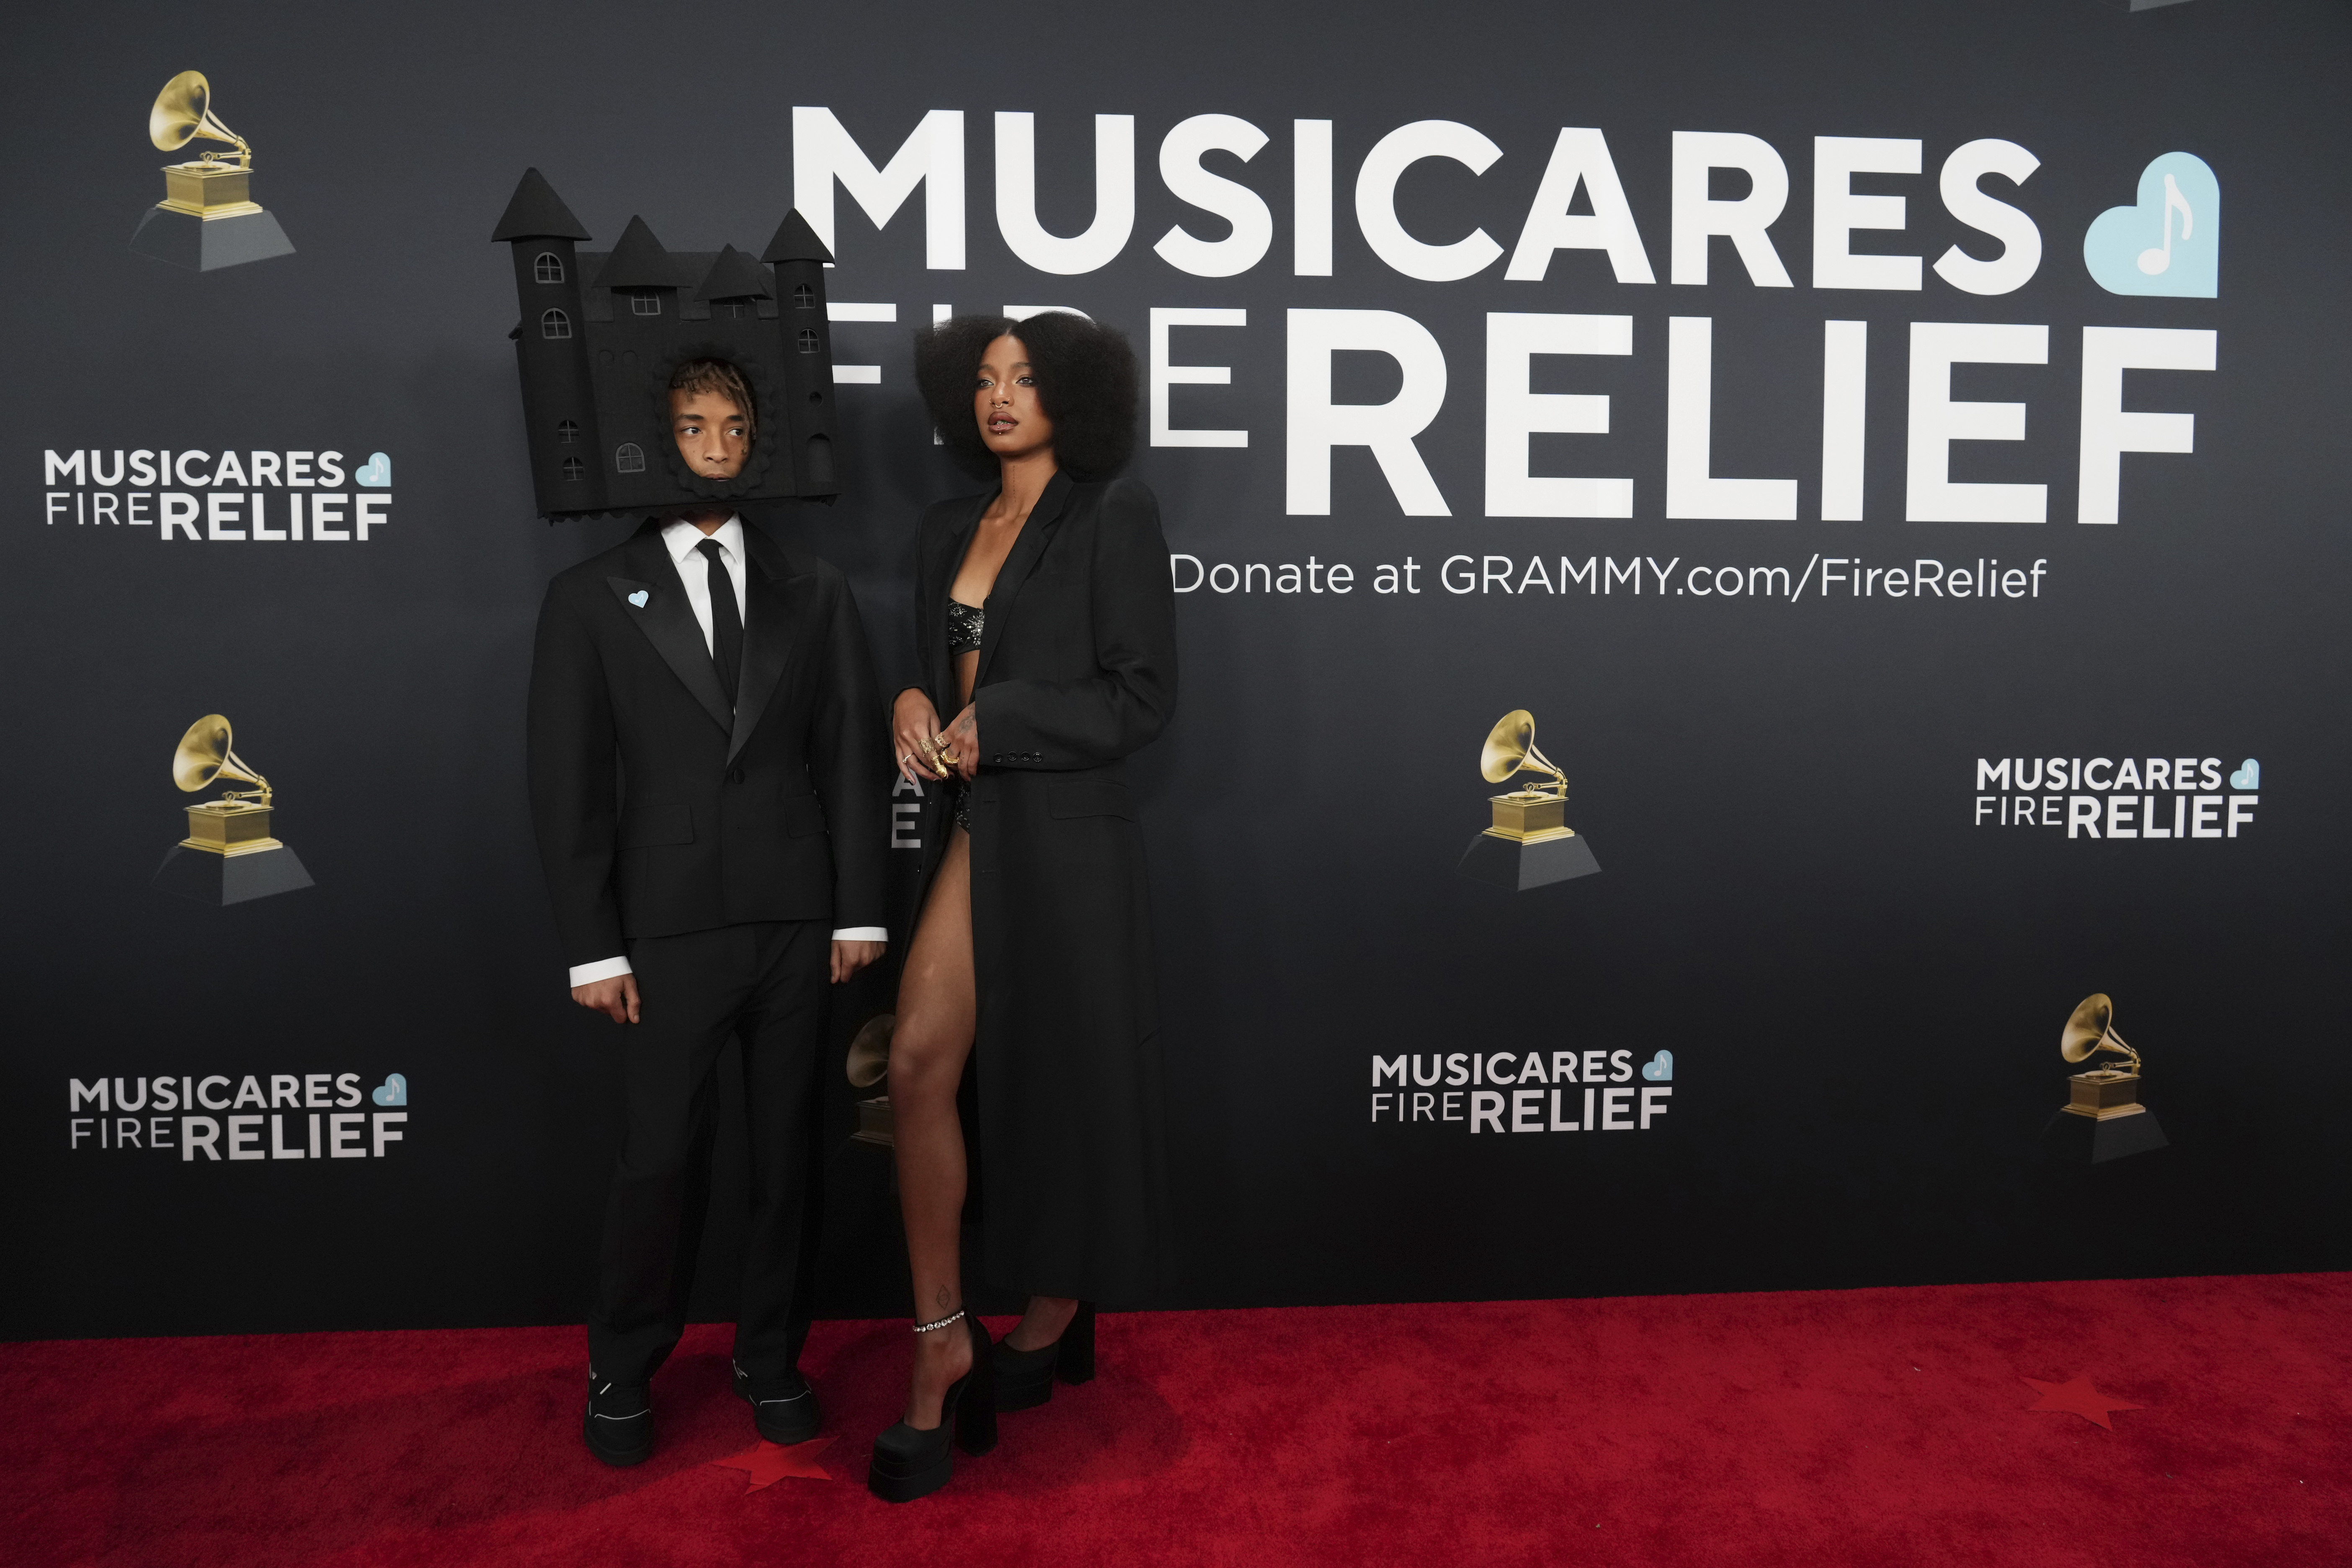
{"x": 1077, "y": 672}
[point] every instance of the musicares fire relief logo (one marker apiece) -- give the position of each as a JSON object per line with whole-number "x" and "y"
{"x": 1496, "y": 1091}
{"x": 188, "y": 494}
{"x": 2101, "y": 797}
{"x": 299, "y": 1116}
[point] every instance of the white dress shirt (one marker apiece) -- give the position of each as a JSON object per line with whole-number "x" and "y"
{"x": 684, "y": 542}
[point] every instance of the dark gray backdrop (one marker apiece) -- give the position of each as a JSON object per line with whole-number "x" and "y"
{"x": 1860, "y": 987}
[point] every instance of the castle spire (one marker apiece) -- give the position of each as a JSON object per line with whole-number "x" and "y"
{"x": 638, "y": 261}
{"x": 795, "y": 241}
{"x": 536, "y": 212}
{"x": 734, "y": 276}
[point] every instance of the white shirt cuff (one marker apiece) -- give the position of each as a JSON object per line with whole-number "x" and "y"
{"x": 602, "y": 969}
{"x": 607, "y": 968}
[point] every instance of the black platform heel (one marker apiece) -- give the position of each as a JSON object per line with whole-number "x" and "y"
{"x": 1025, "y": 1379}
{"x": 907, "y": 1463}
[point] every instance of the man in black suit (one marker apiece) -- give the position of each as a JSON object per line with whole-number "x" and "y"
{"x": 707, "y": 764}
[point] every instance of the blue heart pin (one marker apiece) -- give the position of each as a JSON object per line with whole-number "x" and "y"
{"x": 393, "y": 1091}
{"x": 1659, "y": 1068}
{"x": 639, "y": 598}
{"x": 2248, "y": 777}
{"x": 375, "y": 474}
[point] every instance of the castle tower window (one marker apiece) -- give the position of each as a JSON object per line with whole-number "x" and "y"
{"x": 734, "y": 309}
{"x": 567, "y": 432}
{"x": 808, "y": 341}
{"x": 554, "y": 324}
{"x": 630, "y": 458}
{"x": 803, "y": 297}
{"x": 644, "y": 302}
{"x": 574, "y": 468}
{"x": 548, "y": 267}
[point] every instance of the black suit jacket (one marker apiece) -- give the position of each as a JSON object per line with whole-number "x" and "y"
{"x": 661, "y": 809}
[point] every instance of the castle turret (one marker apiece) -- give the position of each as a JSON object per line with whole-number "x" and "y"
{"x": 736, "y": 291}
{"x": 603, "y": 333}
{"x": 641, "y": 280}
{"x": 800, "y": 259}
{"x": 643, "y": 277}
{"x": 733, "y": 278}
{"x": 559, "y": 395}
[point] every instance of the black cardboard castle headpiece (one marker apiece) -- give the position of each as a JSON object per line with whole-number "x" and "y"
{"x": 601, "y": 333}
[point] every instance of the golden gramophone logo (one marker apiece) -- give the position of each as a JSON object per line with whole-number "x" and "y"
{"x": 1529, "y": 843}
{"x": 869, "y": 1066}
{"x": 2105, "y": 1097}
{"x": 2102, "y": 1093}
{"x": 230, "y": 853}
{"x": 208, "y": 218}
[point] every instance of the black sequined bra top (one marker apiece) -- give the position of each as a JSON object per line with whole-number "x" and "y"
{"x": 964, "y": 624}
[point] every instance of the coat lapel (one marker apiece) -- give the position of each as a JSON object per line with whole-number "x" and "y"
{"x": 946, "y": 561}
{"x": 1017, "y": 567}
{"x": 778, "y": 598}
{"x": 668, "y": 621}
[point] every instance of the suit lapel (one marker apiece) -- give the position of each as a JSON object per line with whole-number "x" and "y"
{"x": 1017, "y": 567}
{"x": 668, "y": 621}
{"x": 778, "y": 600}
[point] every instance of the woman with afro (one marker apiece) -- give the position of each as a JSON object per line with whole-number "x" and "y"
{"x": 1046, "y": 638}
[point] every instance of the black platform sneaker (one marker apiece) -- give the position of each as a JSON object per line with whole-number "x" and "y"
{"x": 784, "y": 1407}
{"x": 619, "y": 1424}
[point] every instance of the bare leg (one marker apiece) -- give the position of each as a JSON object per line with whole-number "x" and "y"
{"x": 938, "y": 1013}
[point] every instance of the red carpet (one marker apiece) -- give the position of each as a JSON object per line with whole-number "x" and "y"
{"x": 1868, "y": 1427}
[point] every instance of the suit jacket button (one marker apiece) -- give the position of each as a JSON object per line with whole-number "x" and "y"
{"x": 734, "y": 776}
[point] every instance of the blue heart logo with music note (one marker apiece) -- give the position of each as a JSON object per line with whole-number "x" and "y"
{"x": 2249, "y": 776}
{"x": 1660, "y": 1068}
{"x": 2169, "y": 243}
{"x": 393, "y": 1090}
{"x": 375, "y": 474}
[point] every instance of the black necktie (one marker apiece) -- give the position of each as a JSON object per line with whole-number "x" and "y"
{"x": 726, "y": 620}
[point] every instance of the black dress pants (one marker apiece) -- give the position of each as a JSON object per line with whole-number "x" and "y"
{"x": 765, "y": 984}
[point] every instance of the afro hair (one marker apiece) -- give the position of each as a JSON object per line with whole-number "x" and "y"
{"x": 1086, "y": 380}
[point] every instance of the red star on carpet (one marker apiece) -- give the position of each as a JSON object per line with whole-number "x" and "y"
{"x": 2078, "y": 1395}
{"x": 772, "y": 1462}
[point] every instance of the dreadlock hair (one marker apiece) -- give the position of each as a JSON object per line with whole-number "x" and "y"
{"x": 723, "y": 380}
{"x": 1086, "y": 382}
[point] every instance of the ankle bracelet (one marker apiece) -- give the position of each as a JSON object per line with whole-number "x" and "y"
{"x": 955, "y": 1316}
